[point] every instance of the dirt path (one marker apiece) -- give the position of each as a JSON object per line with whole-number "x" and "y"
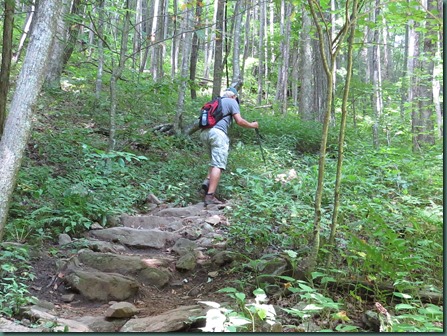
{"x": 160, "y": 261}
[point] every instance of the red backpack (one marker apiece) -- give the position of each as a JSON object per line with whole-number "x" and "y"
{"x": 211, "y": 113}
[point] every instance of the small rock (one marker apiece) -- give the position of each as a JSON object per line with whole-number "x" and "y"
{"x": 206, "y": 228}
{"x": 151, "y": 198}
{"x": 186, "y": 262}
{"x": 68, "y": 297}
{"x": 214, "y": 220}
{"x": 96, "y": 226}
{"x": 177, "y": 283}
{"x": 45, "y": 304}
{"x": 64, "y": 239}
{"x": 222, "y": 258}
{"x": 121, "y": 310}
{"x": 213, "y": 274}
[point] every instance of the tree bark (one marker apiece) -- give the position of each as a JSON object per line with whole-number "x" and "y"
{"x": 116, "y": 74}
{"x": 218, "y": 49}
{"x": 341, "y": 137}
{"x": 236, "y": 78}
{"x": 8, "y": 24}
{"x": 261, "y": 52}
{"x": 329, "y": 67}
{"x": 376, "y": 76}
{"x": 306, "y": 62}
{"x": 100, "y": 70}
{"x": 73, "y": 31}
{"x": 195, "y": 50}
{"x": 19, "y": 121}
{"x": 26, "y": 30}
{"x": 186, "y": 50}
{"x": 56, "y": 62}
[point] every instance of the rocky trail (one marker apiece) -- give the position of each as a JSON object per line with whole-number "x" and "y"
{"x": 144, "y": 273}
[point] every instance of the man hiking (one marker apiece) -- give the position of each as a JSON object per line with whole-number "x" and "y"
{"x": 218, "y": 143}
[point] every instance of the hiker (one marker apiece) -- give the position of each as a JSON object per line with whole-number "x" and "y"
{"x": 218, "y": 142}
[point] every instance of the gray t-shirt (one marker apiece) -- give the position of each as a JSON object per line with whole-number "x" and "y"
{"x": 229, "y": 107}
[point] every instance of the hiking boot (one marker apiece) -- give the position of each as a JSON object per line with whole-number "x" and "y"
{"x": 205, "y": 185}
{"x": 211, "y": 199}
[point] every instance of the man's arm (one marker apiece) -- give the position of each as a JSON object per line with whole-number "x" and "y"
{"x": 244, "y": 123}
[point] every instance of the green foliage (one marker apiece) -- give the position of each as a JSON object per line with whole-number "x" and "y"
{"x": 243, "y": 317}
{"x": 15, "y": 272}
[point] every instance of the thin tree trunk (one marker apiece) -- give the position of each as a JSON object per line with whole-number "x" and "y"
{"x": 100, "y": 69}
{"x": 218, "y": 49}
{"x": 329, "y": 66}
{"x": 26, "y": 30}
{"x": 306, "y": 64}
{"x": 73, "y": 32}
{"x": 116, "y": 74}
{"x": 186, "y": 50}
{"x": 56, "y": 62}
{"x": 148, "y": 30}
{"x": 195, "y": 50}
{"x": 341, "y": 137}
{"x": 19, "y": 121}
{"x": 261, "y": 53}
{"x": 8, "y": 24}
{"x": 236, "y": 79}
{"x": 376, "y": 76}
{"x": 246, "y": 41}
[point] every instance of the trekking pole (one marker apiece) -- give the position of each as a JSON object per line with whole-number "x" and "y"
{"x": 259, "y": 136}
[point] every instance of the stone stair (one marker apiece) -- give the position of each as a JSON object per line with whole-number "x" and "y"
{"x": 157, "y": 251}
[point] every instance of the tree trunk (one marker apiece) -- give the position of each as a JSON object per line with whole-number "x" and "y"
{"x": 26, "y": 30}
{"x": 186, "y": 50}
{"x": 195, "y": 50}
{"x": 341, "y": 137}
{"x": 175, "y": 39}
{"x": 8, "y": 24}
{"x": 100, "y": 70}
{"x": 332, "y": 50}
{"x": 236, "y": 78}
{"x": 283, "y": 67}
{"x": 116, "y": 74}
{"x": 73, "y": 32}
{"x": 56, "y": 62}
{"x": 261, "y": 53}
{"x": 19, "y": 121}
{"x": 148, "y": 29}
{"x": 306, "y": 63}
{"x": 218, "y": 49}
{"x": 376, "y": 75}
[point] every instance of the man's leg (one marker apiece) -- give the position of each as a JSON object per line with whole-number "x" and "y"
{"x": 214, "y": 176}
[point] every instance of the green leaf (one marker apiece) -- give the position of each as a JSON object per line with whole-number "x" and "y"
{"x": 402, "y": 306}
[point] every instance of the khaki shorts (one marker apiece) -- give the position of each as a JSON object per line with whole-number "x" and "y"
{"x": 218, "y": 145}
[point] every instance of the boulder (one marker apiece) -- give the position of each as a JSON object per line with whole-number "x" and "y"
{"x": 174, "y": 320}
{"x": 102, "y": 324}
{"x": 150, "y": 222}
{"x": 108, "y": 262}
{"x": 134, "y": 237}
{"x": 183, "y": 246}
{"x": 193, "y": 210}
{"x": 102, "y": 286}
{"x": 121, "y": 310}
{"x": 186, "y": 262}
{"x": 14, "y": 326}
{"x": 57, "y": 323}
{"x": 64, "y": 239}
{"x": 158, "y": 277}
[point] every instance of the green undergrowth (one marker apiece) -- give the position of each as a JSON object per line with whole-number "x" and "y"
{"x": 390, "y": 221}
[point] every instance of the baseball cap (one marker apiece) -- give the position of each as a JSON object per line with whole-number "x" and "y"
{"x": 232, "y": 89}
